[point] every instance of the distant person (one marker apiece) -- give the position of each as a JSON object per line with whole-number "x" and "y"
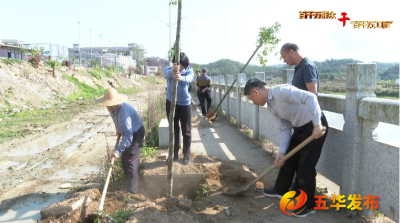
{"x": 306, "y": 75}
{"x": 128, "y": 125}
{"x": 183, "y": 111}
{"x": 198, "y": 92}
{"x": 300, "y": 109}
{"x": 203, "y": 85}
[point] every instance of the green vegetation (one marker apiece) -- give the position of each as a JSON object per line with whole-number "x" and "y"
{"x": 378, "y": 213}
{"x": 85, "y": 90}
{"x": 17, "y": 125}
{"x": 96, "y": 74}
{"x": 151, "y": 119}
{"x": 121, "y": 216}
{"x": 151, "y": 80}
{"x": 107, "y": 73}
{"x": 129, "y": 91}
{"x": 333, "y": 69}
{"x": 109, "y": 70}
{"x": 53, "y": 64}
{"x": 7, "y": 102}
{"x": 11, "y": 61}
{"x": 201, "y": 191}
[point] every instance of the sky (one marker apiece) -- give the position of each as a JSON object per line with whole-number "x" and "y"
{"x": 211, "y": 30}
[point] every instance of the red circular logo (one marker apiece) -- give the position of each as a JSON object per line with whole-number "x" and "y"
{"x": 293, "y": 202}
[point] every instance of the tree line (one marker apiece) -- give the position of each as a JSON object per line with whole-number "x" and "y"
{"x": 330, "y": 69}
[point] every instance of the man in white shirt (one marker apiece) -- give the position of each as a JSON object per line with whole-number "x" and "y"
{"x": 300, "y": 109}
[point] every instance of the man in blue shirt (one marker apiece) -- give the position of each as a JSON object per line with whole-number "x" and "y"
{"x": 306, "y": 76}
{"x": 183, "y": 111}
{"x": 129, "y": 125}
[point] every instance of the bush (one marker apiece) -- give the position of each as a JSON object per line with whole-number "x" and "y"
{"x": 66, "y": 63}
{"x": 34, "y": 61}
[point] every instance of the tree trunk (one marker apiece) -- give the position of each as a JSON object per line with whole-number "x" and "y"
{"x": 173, "y": 103}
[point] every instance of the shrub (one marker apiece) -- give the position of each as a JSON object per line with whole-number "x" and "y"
{"x": 66, "y": 63}
{"x": 34, "y": 61}
{"x": 53, "y": 64}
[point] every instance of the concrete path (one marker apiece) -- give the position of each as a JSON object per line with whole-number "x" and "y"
{"x": 224, "y": 141}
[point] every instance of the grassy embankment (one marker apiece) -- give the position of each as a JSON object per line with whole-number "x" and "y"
{"x": 16, "y": 125}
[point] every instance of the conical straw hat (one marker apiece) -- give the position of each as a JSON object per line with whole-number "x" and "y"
{"x": 111, "y": 97}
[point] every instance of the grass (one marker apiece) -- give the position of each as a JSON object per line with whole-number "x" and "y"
{"x": 8, "y": 103}
{"x": 11, "y": 61}
{"x": 152, "y": 80}
{"x": 121, "y": 216}
{"x": 129, "y": 91}
{"x": 201, "y": 191}
{"x": 14, "y": 126}
{"x": 95, "y": 74}
{"x": 332, "y": 92}
{"x": 85, "y": 91}
{"x": 107, "y": 73}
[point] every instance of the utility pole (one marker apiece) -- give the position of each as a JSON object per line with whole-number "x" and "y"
{"x": 91, "y": 52}
{"x": 79, "y": 42}
{"x": 101, "y": 59}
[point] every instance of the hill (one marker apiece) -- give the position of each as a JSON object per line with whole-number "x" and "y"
{"x": 329, "y": 69}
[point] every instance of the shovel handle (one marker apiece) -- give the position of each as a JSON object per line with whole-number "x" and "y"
{"x": 227, "y": 92}
{"x": 287, "y": 156}
{"x": 103, "y": 195}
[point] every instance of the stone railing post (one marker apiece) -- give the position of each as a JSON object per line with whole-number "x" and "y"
{"x": 288, "y": 76}
{"x": 227, "y": 97}
{"x": 256, "y": 130}
{"x": 360, "y": 82}
{"x": 219, "y": 89}
{"x": 239, "y": 102}
{"x": 214, "y": 90}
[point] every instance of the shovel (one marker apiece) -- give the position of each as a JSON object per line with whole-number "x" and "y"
{"x": 287, "y": 156}
{"x": 99, "y": 213}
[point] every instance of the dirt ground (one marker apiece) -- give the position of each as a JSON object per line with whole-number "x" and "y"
{"x": 208, "y": 204}
{"x": 33, "y": 169}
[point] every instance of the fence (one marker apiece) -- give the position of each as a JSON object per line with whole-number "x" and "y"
{"x": 353, "y": 157}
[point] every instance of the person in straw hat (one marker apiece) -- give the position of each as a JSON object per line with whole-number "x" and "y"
{"x": 128, "y": 125}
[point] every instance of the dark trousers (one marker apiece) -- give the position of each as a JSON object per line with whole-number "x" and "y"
{"x": 183, "y": 114}
{"x": 302, "y": 163}
{"x": 202, "y": 97}
{"x": 130, "y": 161}
{"x": 198, "y": 95}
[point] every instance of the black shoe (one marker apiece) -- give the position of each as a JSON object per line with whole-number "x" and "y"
{"x": 305, "y": 213}
{"x": 186, "y": 159}
{"x": 272, "y": 193}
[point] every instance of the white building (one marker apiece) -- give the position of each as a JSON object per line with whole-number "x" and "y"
{"x": 150, "y": 69}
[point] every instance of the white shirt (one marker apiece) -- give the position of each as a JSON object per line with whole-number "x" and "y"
{"x": 292, "y": 106}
